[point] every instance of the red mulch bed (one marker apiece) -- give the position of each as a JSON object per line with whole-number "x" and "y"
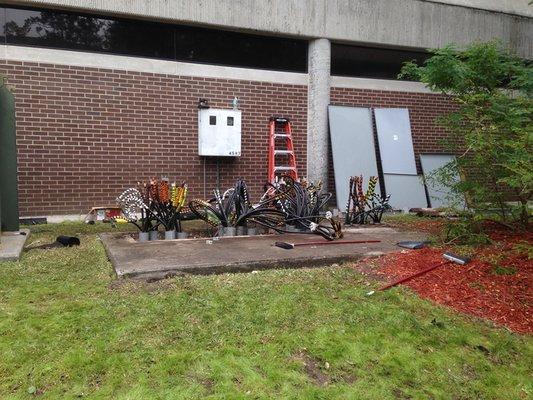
{"x": 426, "y": 225}
{"x": 497, "y": 284}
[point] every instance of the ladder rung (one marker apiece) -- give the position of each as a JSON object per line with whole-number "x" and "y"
{"x": 281, "y": 120}
{"x": 284, "y": 152}
{"x": 284, "y": 168}
{"x": 281, "y": 135}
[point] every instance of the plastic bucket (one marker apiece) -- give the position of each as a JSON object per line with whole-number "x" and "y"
{"x": 144, "y": 236}
{"x": 241, "y": 230}
{"x": 228, "y": 231}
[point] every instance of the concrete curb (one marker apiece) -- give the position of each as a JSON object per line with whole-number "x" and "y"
{"x": 12, "y": 244}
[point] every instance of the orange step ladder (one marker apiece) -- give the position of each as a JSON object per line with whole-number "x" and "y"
{"x": 281, "y": 132}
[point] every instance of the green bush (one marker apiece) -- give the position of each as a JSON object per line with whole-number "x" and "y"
{"x": 491, "y": 129}
{"x": 467, "y": 231}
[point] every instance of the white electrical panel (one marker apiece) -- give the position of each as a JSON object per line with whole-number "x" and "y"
{"x": 219, "y": 132}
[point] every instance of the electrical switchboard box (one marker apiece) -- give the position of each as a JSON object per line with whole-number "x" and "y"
{"x": 219, "y": 132}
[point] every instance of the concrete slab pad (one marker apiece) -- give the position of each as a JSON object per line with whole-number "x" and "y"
{"x": 372, "y": 229}
{"x": 159, "y": 259}
{"x": 12, "y": 243}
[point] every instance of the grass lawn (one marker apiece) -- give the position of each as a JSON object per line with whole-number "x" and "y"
{"x": 68, "y": 330}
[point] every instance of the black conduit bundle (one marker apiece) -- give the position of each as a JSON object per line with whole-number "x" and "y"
{"x": 287, "y": 203}
{"x": 233, "y": 208}
{"x": 304, "y": 207}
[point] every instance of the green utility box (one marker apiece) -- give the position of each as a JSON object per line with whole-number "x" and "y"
{"x": 9, "y": 209}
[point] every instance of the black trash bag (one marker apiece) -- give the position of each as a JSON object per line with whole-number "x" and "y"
{"x": 68, "y": 241}
{"x": 61, "y": 241}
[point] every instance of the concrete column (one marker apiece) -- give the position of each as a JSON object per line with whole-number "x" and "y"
{"x": 317, "y": 110}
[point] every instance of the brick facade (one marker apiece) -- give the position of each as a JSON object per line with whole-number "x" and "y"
{"x": 85, "y": 134}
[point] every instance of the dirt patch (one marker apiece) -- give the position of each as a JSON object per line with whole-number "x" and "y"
{"x": 345, "y": 377}
{"x": 208, "y": 384}
{"x": 312, "y": 368}
{"x": 430, "y": 226}
{"x": 349, "y": 378}
{"x": 496, "y": 285}
{"x": 399, "y": 394}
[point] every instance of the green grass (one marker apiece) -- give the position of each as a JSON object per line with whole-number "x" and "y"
{"x": 69, "y": 330}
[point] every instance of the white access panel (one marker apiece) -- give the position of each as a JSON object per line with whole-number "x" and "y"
{"x": 395, "y": 141}
{"x": 219, "y": 132}
{"x": 352, "y": 145}
{"x": 406, "y": 191}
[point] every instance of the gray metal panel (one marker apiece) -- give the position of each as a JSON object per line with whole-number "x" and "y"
{"x": 352, "y": 144}
{"x": 439, "y": 195}
{"x": 395, "y": 142}
{"x": 406, "y": 191}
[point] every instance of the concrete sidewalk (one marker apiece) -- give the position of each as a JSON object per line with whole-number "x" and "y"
{"x": 12, "y": 243}
{"x": 159, "y": 259}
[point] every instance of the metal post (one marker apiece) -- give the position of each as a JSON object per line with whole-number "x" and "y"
{"x": 9, "y": 211}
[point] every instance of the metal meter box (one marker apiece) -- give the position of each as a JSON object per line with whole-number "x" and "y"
{"x": 219, "y": 132}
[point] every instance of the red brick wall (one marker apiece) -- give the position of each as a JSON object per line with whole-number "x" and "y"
{"x": 424, "y": 108}
{"x": 85, "y": 134}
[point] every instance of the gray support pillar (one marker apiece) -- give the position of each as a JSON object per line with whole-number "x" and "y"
{"x": 317, "y": 110}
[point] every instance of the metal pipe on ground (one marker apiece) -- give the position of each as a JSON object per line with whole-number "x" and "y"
{"x": 450, "y": 257}
{"x": 288, "y": 246}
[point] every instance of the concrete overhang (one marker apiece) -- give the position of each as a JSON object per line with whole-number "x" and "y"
{"x": 514, "y": 7}
{"x": 399, "y": 23}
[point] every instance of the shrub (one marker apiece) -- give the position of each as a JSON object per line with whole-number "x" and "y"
{"x": 491, "y": 129}
{"x": 467, "y": 230}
